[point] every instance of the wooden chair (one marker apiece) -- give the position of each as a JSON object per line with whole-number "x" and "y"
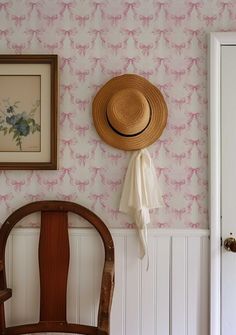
{"x": 53, "y": 269}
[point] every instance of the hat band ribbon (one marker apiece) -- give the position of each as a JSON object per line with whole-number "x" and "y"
{"x": 130, "y": 135}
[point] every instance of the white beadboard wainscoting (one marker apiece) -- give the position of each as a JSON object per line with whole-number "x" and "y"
{"x": 171, "y": 298}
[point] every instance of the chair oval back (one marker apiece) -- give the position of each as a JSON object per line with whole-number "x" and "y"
{"x": 53, "y": 268}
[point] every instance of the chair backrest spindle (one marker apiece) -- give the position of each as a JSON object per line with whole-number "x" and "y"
{"x": 53, "y": 265}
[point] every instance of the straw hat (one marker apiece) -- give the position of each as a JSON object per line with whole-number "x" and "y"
{"x": 129, "y": 112}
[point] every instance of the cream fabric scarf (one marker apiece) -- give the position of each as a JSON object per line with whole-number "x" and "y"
{"x": 140, "y": 193}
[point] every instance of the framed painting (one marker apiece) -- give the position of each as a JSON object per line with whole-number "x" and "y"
{"x": 28, "y": 112}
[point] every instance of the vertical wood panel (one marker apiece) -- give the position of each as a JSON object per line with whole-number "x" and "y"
{"x": 133, "y": 293}
{"x": 73, "y": 311}
{"x": 32, "y": 272}
{"x": 170, "y": 299}
{"x": 86, "y": 280}
{"x": 205, "y": 286}
{"x": 147, "y": 291}
{"x": 8, "y": 312}
{"x": 98, "y": 260}
{"x": 119, "y": 311}
{"x": 25, "y": 285}
{"x": 162, "y": 286}
{"x": 178, "y": 290}
{"x": 19, "y": 281}
{"x": 194, "y": 285}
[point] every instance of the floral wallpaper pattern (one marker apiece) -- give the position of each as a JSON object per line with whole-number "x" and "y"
{"x": 166, "y": 42}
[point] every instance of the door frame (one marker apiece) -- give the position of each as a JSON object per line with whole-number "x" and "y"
{"x": 216, "y": 40}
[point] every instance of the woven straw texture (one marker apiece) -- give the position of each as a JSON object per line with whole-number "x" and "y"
{"x": 158, "y": 109}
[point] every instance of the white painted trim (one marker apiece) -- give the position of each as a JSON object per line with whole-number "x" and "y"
{"x": 215, "y": 43}
{"x": 125, "y": 232}
{"x": 214, "y": 182}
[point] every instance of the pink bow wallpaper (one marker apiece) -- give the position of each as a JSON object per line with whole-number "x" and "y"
{"x": 164, "y": 41}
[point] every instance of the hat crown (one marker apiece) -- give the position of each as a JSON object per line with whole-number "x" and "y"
{"x": 128, "y": 111}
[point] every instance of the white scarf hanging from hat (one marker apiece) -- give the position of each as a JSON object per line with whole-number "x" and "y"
{"x": 140, "y": 193}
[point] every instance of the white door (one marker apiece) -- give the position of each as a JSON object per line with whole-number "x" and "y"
{"x": 222, "y": 181}
{"x": 228, "y": 188}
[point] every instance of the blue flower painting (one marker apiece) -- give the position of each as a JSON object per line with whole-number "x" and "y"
{"x": 17, "y": 122}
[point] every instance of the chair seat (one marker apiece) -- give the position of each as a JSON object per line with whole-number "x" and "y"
{"x": 43, "y": 327}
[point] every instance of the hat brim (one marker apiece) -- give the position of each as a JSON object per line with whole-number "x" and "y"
{"x": 157, "y": 105}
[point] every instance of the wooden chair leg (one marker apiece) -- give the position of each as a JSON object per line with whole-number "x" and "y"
{"x": 2, "y": 320}
{"x": 102, "y": 332}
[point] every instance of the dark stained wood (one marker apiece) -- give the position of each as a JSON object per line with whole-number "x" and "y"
{"x": 2, "y": 319}
{"x": 59, "y": 327}
{"x": 54, "y": 251}
{"x": 53, "y": 265}
{"x": 52, "y": 61}
{"x": 5, "y": 294}
{"x": 3, "y": 284}
{"x": 106, "y": 296}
